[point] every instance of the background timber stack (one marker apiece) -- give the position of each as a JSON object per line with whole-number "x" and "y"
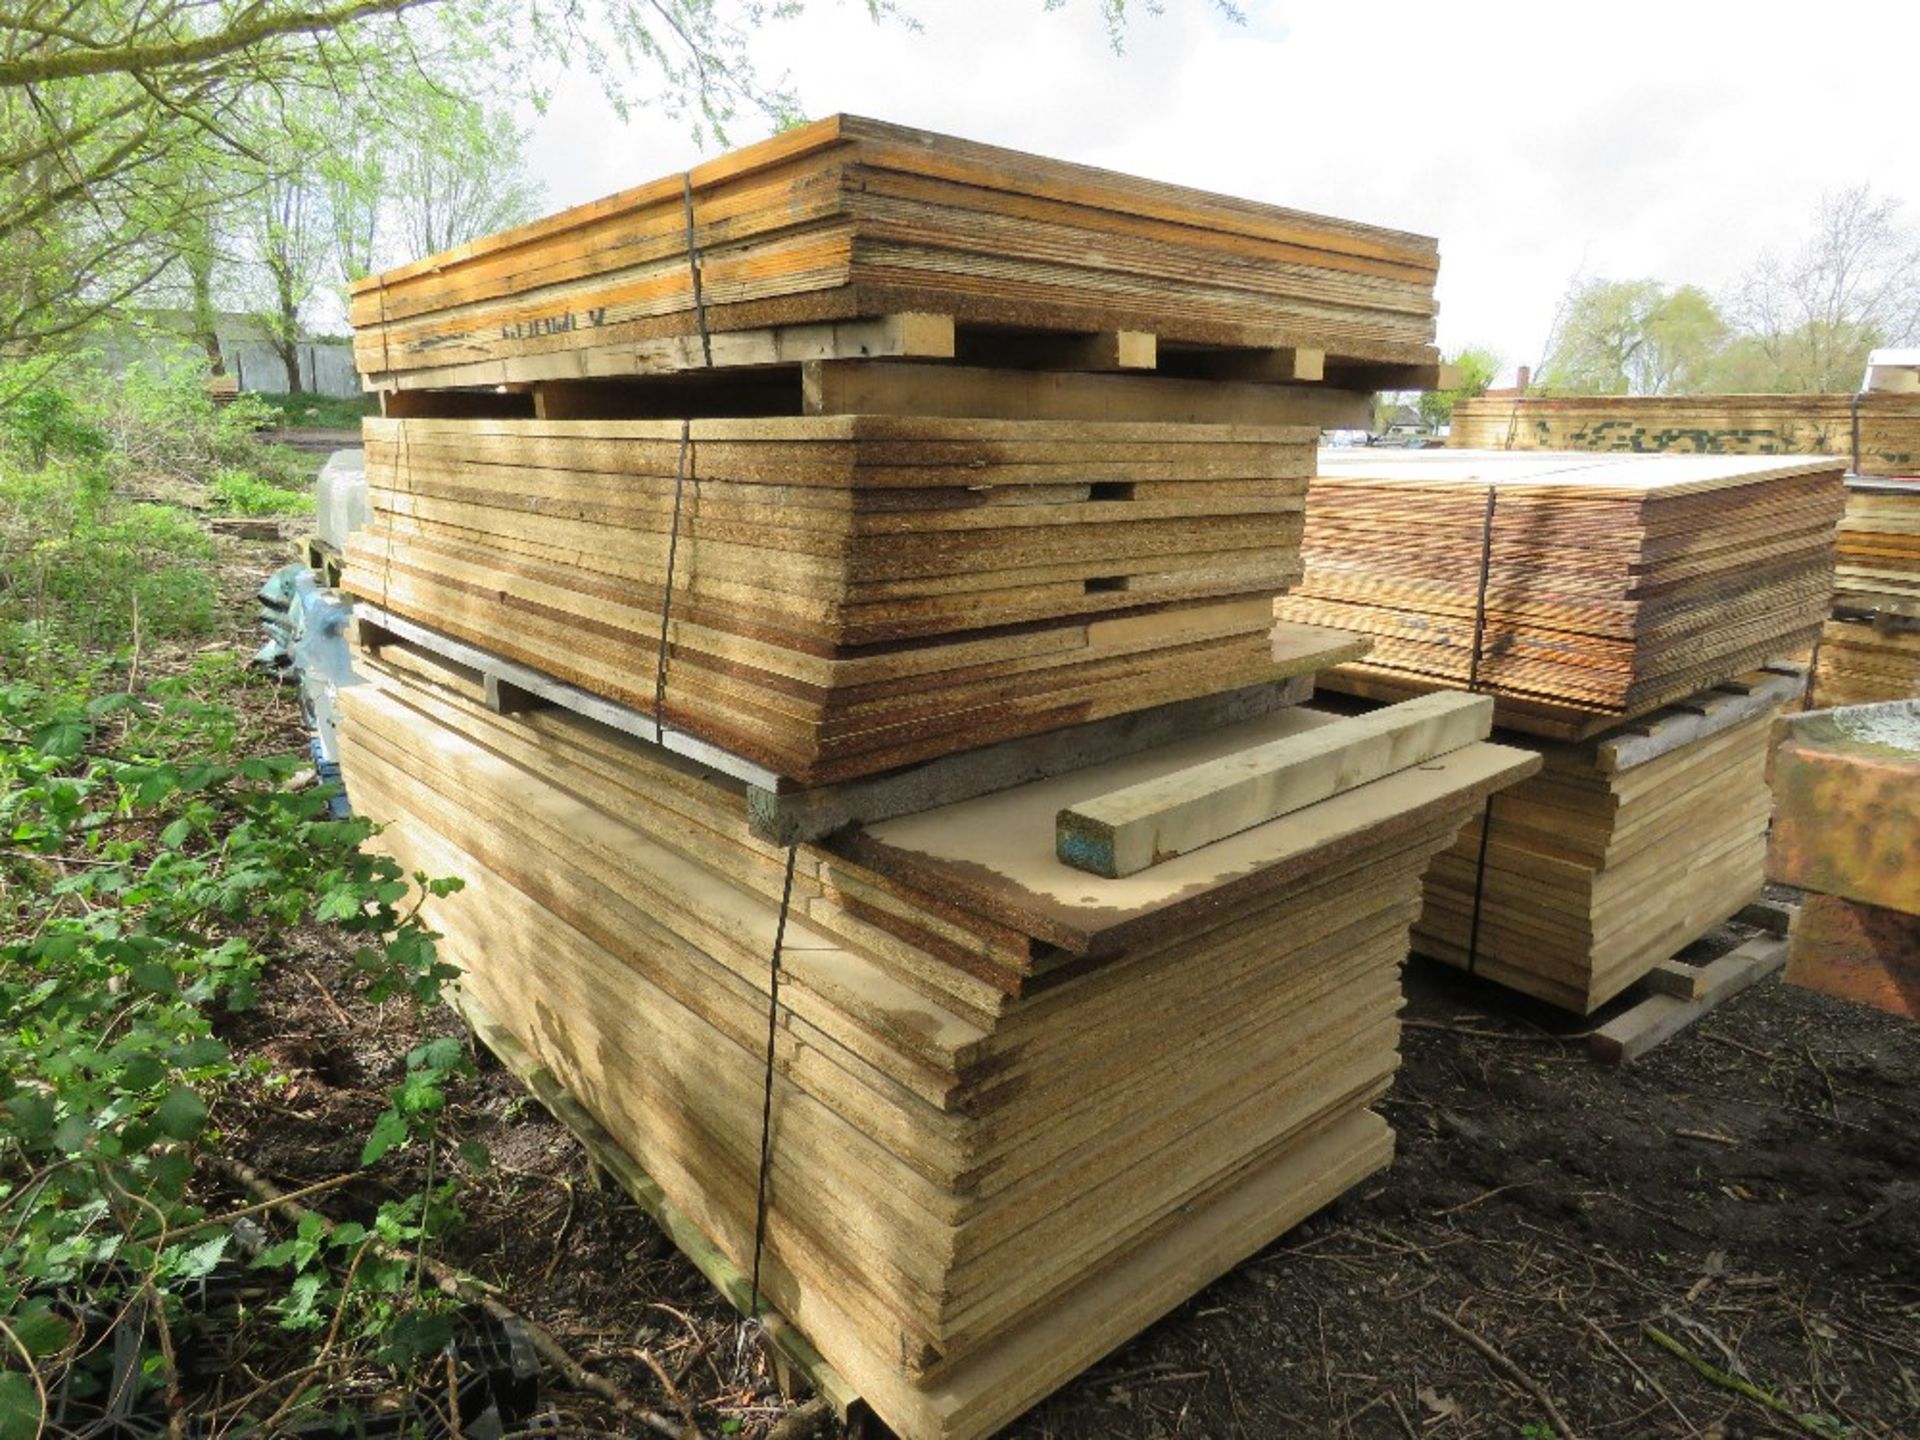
{"x": 1578, "y": 591}
{"x": 1846, "y": 830}
{"x": 828, "y": 464}
{"x": 1888, "y": 443}
{"x": 1870, "y": 649}
{"x": 1019, "y": 1111}
{"x": 1622, "y": 851}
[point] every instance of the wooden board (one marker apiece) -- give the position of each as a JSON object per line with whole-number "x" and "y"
{"x": 845, "y": 221}
{"x": 1889, "y": 426}
{"x": 1579, "y": 590}
{"x": 1659, "y": 1018}
{"x": 1148, "y": 823}
{"x": 1866, "y": 662}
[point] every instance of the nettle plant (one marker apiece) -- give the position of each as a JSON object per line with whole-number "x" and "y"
{"x": 144, "y": 876}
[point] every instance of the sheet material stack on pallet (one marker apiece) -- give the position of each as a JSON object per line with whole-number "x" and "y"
{"x": 1584, "y": 593}
{"x": 1870, "y": 649}
{"x": 807, "y": 458}
{"x": 1622, "y": 851}
{"x": 876, "y": 555}
{"x": 1846, "y": 829}
{"x": 1019, "y": 1111}
{"x": 1577, "y": 590}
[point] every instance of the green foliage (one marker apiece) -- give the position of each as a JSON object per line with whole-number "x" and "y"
{"x": 315, "y": 412}
{"x": 154, "y": 868}
{"x": 244, "y": 493}
{"x": 1478, "y": 366}
{"x": 1633, "y": 337}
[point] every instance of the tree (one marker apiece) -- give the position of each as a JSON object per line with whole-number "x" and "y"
{"x": 1633, "y": 337}
{"x": 1477, "y": 366}
{"x": 1853, "y": 285}
{"x": 457, "y": 178}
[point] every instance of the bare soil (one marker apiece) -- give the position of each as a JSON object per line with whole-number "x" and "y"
{"x": 1750, "y": 1191}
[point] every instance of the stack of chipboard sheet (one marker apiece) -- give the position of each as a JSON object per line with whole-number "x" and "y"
{"x": 1019, "y": 1111}
{"x": 1578, "y": 590}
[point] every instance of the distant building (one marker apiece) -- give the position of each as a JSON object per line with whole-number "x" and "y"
{"x": 326, "y": 361}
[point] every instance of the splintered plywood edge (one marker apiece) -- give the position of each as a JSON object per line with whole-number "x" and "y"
{"x": 996, "y": 855}
{"x": 1128, "y": 830}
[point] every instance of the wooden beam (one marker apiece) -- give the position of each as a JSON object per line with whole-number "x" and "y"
{"x": 1126, "y": 831}
{"x": 836, "y": 387}
{"x": 1280, "y": 365}
{"x": 1103, "y": 351}
{"x": 1634, "y": 1032}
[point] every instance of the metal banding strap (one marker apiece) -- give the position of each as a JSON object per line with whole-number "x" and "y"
{"x": 1480, "y": 603}
{"x": 666, "y": 589}
{"x": 766, "y": 1098}
{"x": 693, "y": 264}
{"x": 1479, "y": 887}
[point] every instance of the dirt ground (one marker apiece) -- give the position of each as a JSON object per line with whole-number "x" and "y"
{"x": 1750, "y": 1191}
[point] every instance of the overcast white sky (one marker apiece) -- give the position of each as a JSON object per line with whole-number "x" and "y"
{"x": 1671, "y": 139}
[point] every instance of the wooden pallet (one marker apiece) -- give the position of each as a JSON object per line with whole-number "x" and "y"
{"x": 1684, "y": 993}
{"x": 784, "y": 814}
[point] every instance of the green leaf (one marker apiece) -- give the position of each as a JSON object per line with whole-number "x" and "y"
{"x": 388, "y": 1131}
{"x": 198, "y": 1261}
{"x": 20, "y": 1417}
{"x": 154, "y": 978}
{"x": 475, "y": 1154}
{"x": 175, "y": 835}
{"x": 443, "y": 1053}
{"x": 32, "y": 1115}
{"x": 61, "y": 740}
{"x": 182, "y": 1115}
{"x": 40, "y": 1330}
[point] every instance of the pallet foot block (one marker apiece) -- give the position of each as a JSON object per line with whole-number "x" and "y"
{"x": 1660, "y": 1017}
{"x": 1622, "y": 851}
{"x": 1019, "y": 1111}
{"x": 1856, "y": 952}
{"x": 1846, "y": 787}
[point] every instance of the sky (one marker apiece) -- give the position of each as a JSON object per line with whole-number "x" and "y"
{"x": 1538, "y": 141}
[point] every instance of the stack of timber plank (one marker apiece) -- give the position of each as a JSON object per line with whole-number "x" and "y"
{"x": 849, "y": 593}
{"x": 847, "y": 219}
{"x": 1846, "y": 830}
{"x": 1870, "y": 650}
{"x": 1019, "y": 1111}
{"x": 1887, "y": 443}
{"x": 1862, "y": 660}
{"x": 1621, "y": 851}
{"x": 1578, "y": 590}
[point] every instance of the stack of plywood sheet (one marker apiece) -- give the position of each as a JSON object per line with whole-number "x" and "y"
{"x": 1846, "y": 829}
{"x": 1878, "y": 563}
{"x": 1876, "y": 434}
{"x": 848, "y": 593}
{"x": 1018, "y": 1111}
{"x": 1620, "y": 852}
{"x": 849, "y": 219}
{"x": 1578, "y": 590}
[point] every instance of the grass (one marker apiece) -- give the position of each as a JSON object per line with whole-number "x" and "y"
{"x": 318, "y": 412}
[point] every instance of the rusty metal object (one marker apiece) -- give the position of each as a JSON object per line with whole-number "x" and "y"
{"x": 1846, "y": 792}
{"x": 1857, "y": 952}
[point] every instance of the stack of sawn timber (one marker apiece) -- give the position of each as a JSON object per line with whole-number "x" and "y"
{"x": 849, "y": 593}
{"x": 850, "y": 218}
{"x": 1578, "y": 590}
{"x": 1876, "y": 434}
{"x": 1620, "y": 852}
{"x": 1019, "y": 1112}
